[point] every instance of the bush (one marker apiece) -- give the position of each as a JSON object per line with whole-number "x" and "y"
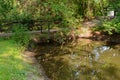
{"x": 110, "y": 26}
{"x": 20, "y": 35}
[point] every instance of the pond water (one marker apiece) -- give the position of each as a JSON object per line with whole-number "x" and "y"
{"x": 82, "y": 60}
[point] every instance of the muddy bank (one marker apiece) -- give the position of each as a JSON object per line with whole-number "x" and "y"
{"x": 100, "y": 36}
{"x": 38, "y": 73}
{"x": 77, "y": 34}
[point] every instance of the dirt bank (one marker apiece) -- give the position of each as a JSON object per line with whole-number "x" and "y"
{"x": 38, "y": 72}
{"x": 87, "y": 33}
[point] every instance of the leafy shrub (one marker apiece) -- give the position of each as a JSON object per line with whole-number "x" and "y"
{"x": 110, "y": 27}
{"x": 20, "y": 35}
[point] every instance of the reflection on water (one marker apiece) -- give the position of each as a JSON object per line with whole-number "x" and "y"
{"x": 92, "y": 61}
{"x": 97, "y": 51}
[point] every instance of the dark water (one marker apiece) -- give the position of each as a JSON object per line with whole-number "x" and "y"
{"x": 83, "y": 60}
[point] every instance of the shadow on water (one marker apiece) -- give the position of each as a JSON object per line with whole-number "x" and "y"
{"x": 91, "y": 61}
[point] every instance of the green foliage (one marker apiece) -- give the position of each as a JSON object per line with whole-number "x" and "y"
{"x": 20, "y": 35}
{"x": 110, "y": 27}
{"x": 58, "y": 11}
{"x": 53, "y": 10}
{"x": 63, "y": 13}
{"x": 90, "y": 8}
{"x": 6, "y": 6}
{"x": 114, "y": 4}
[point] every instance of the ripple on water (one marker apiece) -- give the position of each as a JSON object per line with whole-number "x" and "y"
{"x": 99, "y": 50}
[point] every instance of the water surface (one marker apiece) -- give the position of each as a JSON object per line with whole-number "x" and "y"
{"x": 83, "y": 60}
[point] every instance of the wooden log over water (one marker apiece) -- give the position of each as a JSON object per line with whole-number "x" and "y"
{"x": 31, "y": 32}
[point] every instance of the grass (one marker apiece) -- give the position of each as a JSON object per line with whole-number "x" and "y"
{"x": 12, "y": 66}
